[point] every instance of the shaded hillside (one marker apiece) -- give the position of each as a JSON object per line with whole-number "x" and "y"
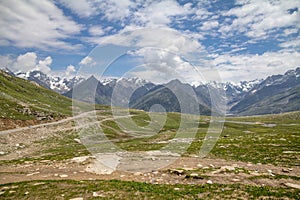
{"x": 174, "y": 97}
{"x": 276, "y": 94}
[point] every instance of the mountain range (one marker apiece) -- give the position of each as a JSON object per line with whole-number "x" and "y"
{"x": 275, "y": 94}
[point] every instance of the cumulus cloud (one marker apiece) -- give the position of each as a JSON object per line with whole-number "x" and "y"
{"x": 29, "y": 62}
{"x": 70, "y": 71}
{"x": 36, "y": 24}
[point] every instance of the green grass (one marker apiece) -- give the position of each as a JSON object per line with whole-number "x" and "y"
{"x": 17, "y": 94}
{"x": 66, "y": 189}
{"x": 258, "y": 144}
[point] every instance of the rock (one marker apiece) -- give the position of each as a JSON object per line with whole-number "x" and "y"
{"x": 2, "y": 153}
{"x": 199, "y": 165}
{"x": 176, "y": 189}
{"x": 177, "y": 171}
{"x": 77, "y": 198}
{"x": 269, "y": 170}
{"x": 211, "y": 165}
{"x": 77, "y": 140}
{"x": 194, "y": 176}
{"x": 138, "y": 174}
{"x": 63, "y": 176}
{"x": 209, "y": 182}
{"x": 236, "y": 180}
{"x": 26, "y": 193}
{"x": 96, "y": 194}
{"x": 80, "y": 159}
{"x": 292, "y": 185}
{"x": 228, "y": 168}
{"x": 32, "y": 173}
{"x": 188, "y": 168}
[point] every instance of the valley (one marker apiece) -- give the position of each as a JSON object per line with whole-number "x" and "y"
{"x": 66, "y": 157}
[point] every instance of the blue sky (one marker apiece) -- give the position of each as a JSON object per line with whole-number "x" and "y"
{"x": 243, "y": 40}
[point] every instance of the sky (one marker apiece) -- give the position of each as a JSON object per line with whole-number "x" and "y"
{"x": 152, "y": 39}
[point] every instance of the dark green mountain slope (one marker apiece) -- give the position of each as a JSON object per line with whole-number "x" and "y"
{"x": 174, "y": 97}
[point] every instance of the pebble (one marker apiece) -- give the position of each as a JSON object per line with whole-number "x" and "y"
{"x": 209, "y": 182}
{"x": 77, "y": 198}
{"x": 199, "y": 165}
{"x": 137, "y": 173}
{"x": 2, "y": 153}
{"x": 96, "y": 194}
{"x": 176, "y": 189}
{"x": 229, "y": 168}
{"x": 236, "y": 180}
{"x": 32, "y": 173}
{"x": 63, "y": 176}
{"x": 77, "y": 140}
{"x": 177, "y": 171}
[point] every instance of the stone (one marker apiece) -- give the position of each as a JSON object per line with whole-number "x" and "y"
{"x": 77, "y": 140}
{"x": 199, "y": 165}
{"x": 292, "y": 185}
{"x": 2, "y": 153}
{"x": 63, "y": 176}
{"x": 77, "y": 198}
{"x": 177, "y": 171}
{"x": 80, "y": 159}
{"x": 209, "y": 182}
{"x": 236, "y": 180}
{"x": 176, "y": 189}
{"x": 228, "y": 168}
{"x": 138, "y": 174}
{"x": 194, "y": 176}
{"x": 96, "y": 194}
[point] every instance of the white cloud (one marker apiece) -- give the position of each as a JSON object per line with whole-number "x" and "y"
{"x": 87, "y": 61}
{"x": 96, "y": 31}
{"x": 208, "y": 25}
{"x": 250, "y": 67}
{"x": 25, "y": 62}
{"x": 156, "y": 14}
{"x": 44, "y": 65}
{"x": 165, "y": 38}
{"x": 82, "y": 8}
{"x": 6, "y": 61}
{"x": 161, "y": 66}
{"x": 36, "y": 24}
{"x": 28, "y": 62}
{"x": 258, "y": 19}
{"x": 70, "y": 71}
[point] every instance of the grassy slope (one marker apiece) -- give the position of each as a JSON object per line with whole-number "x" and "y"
{"x": 17, "y": 94}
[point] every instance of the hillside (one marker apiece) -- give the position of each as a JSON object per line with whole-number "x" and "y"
{"x": 26, "y": 103}
{"x": 276, "y": 94}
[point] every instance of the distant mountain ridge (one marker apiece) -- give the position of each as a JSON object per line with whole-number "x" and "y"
{"x": 275, "y": 94}
{"x": 55, "y": 83}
